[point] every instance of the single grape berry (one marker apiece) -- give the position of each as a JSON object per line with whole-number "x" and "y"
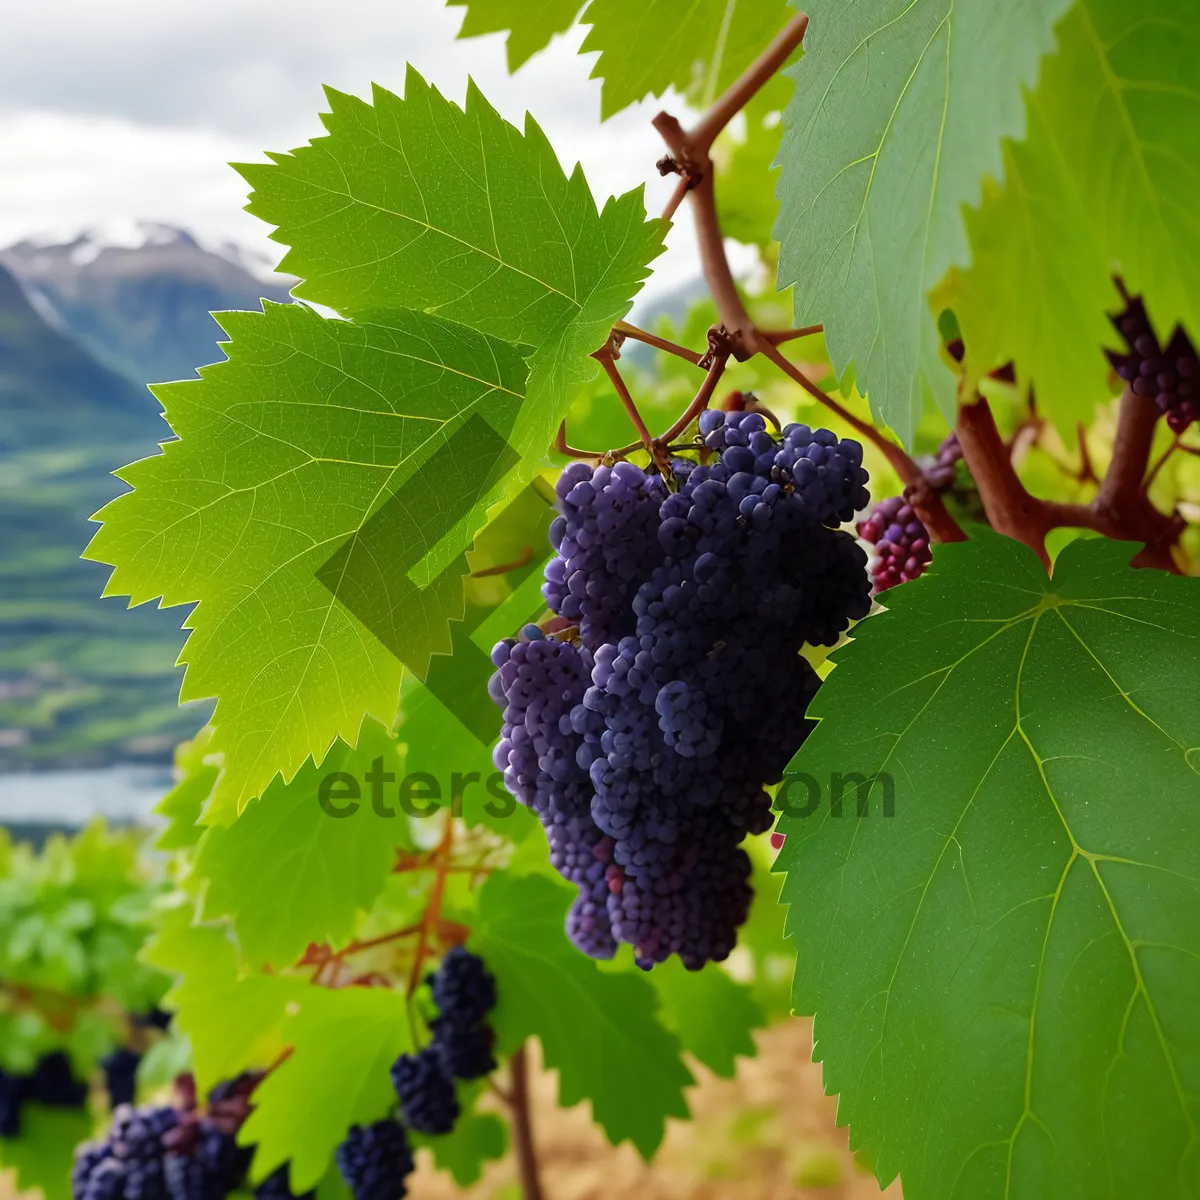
{"x": 375, "y": 1161}
{"x": 901, "y": 543}
{"x": 425, "y": 1091}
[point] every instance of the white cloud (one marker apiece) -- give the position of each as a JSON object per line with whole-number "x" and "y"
{"x": 133, "y": 108}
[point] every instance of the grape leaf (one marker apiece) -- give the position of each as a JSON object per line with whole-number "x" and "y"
{"x": 1030, "y": 917}
{"x": 475, "y": 1139}
{"x": 233, "y": 1022}
{"x": 343, "y": 1042}
{"x": 183, "y": 805}
{"x": 417, "y": 203}
{"x": 899, "y": 111}
{"x": 285, "y": 451}
{"x": 699, "y": 49}
{"x": 1096, "y": 187}
{"x": 598, "y": 1029}
{"x": 530, "y": 24}
{"x": 646, "y": 46}
{"x": 288, "y": 873}
{"x": 290, "y": 449}
{"x": 714, "y": 1016}
{"x": 42, "y": 1155}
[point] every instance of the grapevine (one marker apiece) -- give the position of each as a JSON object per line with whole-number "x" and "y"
{"x": 894, "y": 561}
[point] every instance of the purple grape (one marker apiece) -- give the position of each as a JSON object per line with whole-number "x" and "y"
{"x": 425, "y": 1091}
{"x": 901, "y": 543}
{"x": 645, "y": 751}
{"x": 375, "y": 1161}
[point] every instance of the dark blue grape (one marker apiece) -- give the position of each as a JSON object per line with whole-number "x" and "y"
{"x": 465, "y": 1050}
{"x": 375, "y": 1161}
{"x": 53, "y": 1082}
{"x": 277, "y": 1186}
{"x": 120, "y": 1075}
{"x": 463, "y": 988}
{"x": 645, "y": 753}
{"x": 426, "y": 1091}
{"x": 13, "y": 1092}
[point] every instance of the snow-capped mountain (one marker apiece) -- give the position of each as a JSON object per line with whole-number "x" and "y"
{"x": 138, "y": 295}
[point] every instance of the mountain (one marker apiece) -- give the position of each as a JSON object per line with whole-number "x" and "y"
{"x": 53, "y": 392}
{"x": 138, "y": 298}
{"x": 83, "y": 325}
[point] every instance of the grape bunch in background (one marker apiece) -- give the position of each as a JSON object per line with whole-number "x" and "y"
{"x": 52, "y": 1083}
{"x": 1169, "y": 374}
{"x": 899, "y": 540}
{"x": 464, "y": 992}
{"x": 375, "y": 1160}
{"x": 643, "y": 731}
{"x": 175, "y": 1151}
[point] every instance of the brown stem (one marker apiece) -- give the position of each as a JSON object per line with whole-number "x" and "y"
{"x": 652, "y": 339}
{"x": 740, "y": 92}
{"x": 522, "y": 560}
{"x": 610, "y": 369}
{"x": 698, "y": 405}
{"x": 903, "y": 464}
{"x": 522, "y": 1121}
{"x": 778, "y": 336}
{"x": 1137, "y": 417}
{"x": 1010, "y": 509}
{"x": 433, "y": 910}
{"x": 678, "y": 196}
{"x": 1120, "y": 509}
{"x": 1162, "y": 462}
{"x": 560, "y": 444}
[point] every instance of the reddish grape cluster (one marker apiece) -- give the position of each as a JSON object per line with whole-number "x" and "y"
{"x": 1170, "y": 374}
{"x": 901, "y": 543}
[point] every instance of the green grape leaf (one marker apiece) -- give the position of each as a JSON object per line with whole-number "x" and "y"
{"x": 477, "y": 1138}
{"x": 530, "y": 24}
{"x": 412, "y": 217}
{"x": 42, "y": 1155}
{"x": 343, "y": 1042}
{"x": 1030, "y": 914}
{"x": 699, "y": 49}
{"x": 416, "y": 203}
{"x": 233, "y": 1021}
{"x": 288, "y": 871}
{"x": 1096, "y": 188}
{"x": 598, "y": 1029}
{"x": 899, "y": 111}
{"x": 310, "y": 428}
{"x": 714, "y": 1016}
{"x": 183, "y": 805}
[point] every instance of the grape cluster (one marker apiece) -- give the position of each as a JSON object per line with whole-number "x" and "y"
{"x": 52, "y": 1083}
{"x": 900, "y": 540}
{"x": 642, "y": 736}
{"x": 376, "y": 1160}
{"x": 1170, "y": 374}
{"x": 465, "y": 993}
{"x": 120, "y": 1075}
{"x": 170, "y": 1152}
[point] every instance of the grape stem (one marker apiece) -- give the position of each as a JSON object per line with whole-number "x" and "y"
{"x": 522, "y": 1123}
{"x": 433, "y": 910}
{"x": 659, "y": 343}
{"x": 1119, "y": 510}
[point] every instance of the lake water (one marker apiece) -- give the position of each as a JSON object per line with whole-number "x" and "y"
{"x": 122, "y": 794}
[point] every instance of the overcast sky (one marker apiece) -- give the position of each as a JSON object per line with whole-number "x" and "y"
{"x": 120, "y": 109}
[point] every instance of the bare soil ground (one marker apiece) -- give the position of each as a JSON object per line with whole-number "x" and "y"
{"x": 767, "y": 1134}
